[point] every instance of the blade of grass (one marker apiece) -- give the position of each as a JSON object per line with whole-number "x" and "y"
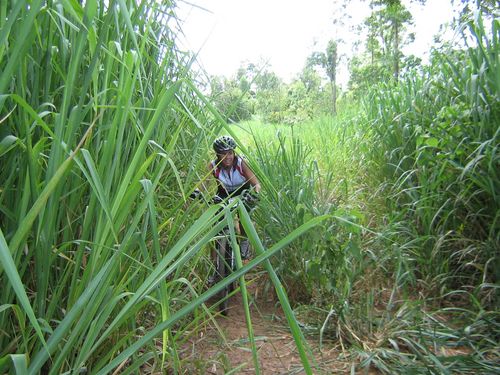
{"x": 10, "y": 269}
{"x": 243, "y": 288}
{"x": 209, "y": 293}
{"x": 298, "y": 337}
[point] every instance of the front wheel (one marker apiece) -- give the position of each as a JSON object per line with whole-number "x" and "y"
{"x": 224, "y": 268}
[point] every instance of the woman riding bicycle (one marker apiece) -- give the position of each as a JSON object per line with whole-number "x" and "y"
{"x": 233, "y": 176}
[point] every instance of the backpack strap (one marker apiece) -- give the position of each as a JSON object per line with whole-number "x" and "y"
{"x": 215, "y": 169}
{"x": 238, "y": 166}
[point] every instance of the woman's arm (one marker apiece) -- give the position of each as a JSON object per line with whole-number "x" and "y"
{"x": 252, "y": 179}
{"x": 210, "y": 168}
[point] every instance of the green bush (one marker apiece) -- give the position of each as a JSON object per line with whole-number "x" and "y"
{"x": 436, "y": 141}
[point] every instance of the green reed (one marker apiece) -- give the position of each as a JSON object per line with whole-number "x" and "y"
{"x": 102, "y": 137}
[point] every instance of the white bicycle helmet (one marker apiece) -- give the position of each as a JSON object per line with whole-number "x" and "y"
{"x": 224, "y": 144}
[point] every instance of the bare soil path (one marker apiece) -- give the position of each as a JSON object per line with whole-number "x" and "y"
{"x": 212, "y": 353}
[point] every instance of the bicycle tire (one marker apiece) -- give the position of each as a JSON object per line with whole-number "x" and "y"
{"x": 224, "y": 268}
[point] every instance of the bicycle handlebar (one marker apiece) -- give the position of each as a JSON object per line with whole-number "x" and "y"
{"x": 249, "y": 198}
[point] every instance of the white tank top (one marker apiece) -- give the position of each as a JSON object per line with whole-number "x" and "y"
{"x": 231, "y": 179}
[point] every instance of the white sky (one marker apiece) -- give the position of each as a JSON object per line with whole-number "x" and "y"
{"x": 283, "y": 32}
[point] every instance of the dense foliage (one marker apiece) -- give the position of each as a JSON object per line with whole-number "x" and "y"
{"x": 443, "y": 164}
{"x": 260, "y": 93}
{"x": 99, "y": 136}
{"x": 103, "y": 136}
{"x": 386, "y": 216}
{"x": 407, "y": 270}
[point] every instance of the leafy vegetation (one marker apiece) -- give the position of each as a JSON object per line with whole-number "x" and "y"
{"x": 406, "y": 271}
{"x": 385, "y": 216}
{"x": 100, "y": 144}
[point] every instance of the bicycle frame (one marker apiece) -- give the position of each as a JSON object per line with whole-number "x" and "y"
{"x": 224, "y": 259}
{"x": 224, "y": 254}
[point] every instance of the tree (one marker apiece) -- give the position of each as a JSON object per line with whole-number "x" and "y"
{"x": 387, "y": 25}
{"x": 328, "y": 60}
{"x": 246, "y": 75}
{"x": 232, "y": 102}
{"x": 270, "y": 96}
{"x": 387, "y": 33}
{"x": 332, "y": 58}
{"x": 489, "y": 8}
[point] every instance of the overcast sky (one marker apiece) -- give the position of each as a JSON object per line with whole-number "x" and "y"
{"x": 282, "y": 32}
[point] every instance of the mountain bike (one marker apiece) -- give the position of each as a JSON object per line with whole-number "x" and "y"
{"x": 224, "y": 254}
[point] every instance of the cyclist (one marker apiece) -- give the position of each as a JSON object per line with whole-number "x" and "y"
{"x": 233, "y": 176}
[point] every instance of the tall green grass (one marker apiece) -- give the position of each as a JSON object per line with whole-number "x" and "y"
{"x": 437, "y": 138}
{"x": 103, "y": 135}
{"x": 385, "y": 219}
{"x": 305, "y": 172}
{"x": 93, "y": 116}
{"x": 404, "y": 274}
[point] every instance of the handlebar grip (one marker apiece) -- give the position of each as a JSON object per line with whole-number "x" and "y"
{"x": 250, "y": 198}
{"x": 196, "y": 194}
{"x": 216, "y": 199}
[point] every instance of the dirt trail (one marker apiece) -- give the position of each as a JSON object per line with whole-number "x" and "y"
{"x": 209, "y": 353}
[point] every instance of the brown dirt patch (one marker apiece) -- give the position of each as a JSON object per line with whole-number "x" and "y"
{"x": 211, "y": 352}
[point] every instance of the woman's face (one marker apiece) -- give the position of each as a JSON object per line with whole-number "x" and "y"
{"x": 226, "y": 159}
